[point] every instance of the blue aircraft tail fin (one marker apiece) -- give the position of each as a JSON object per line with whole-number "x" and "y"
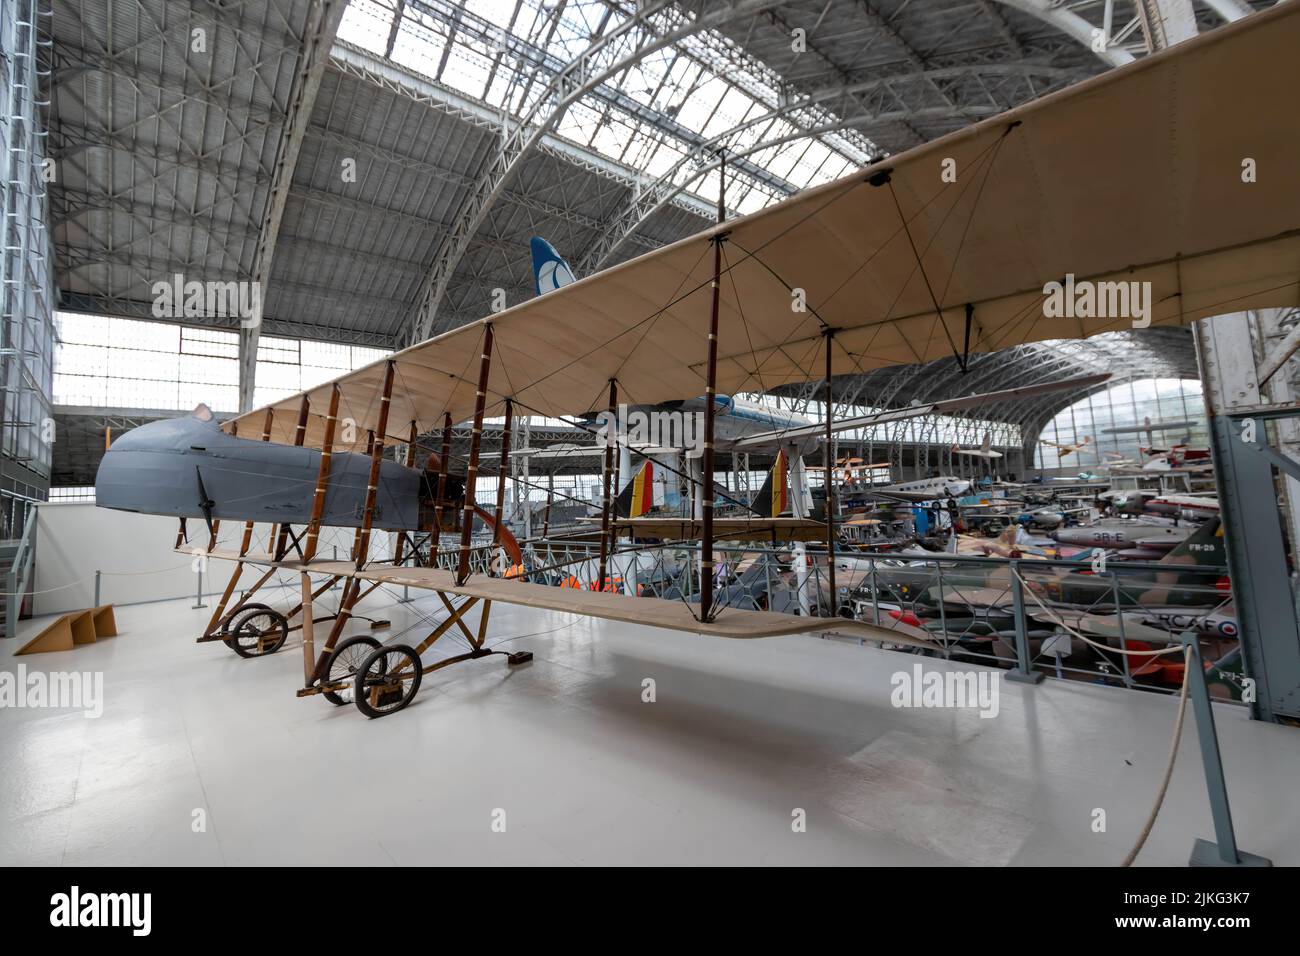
{"x": 550, "y": 271}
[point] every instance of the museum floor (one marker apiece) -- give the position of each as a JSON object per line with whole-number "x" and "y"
{"x": 201, "y": 757}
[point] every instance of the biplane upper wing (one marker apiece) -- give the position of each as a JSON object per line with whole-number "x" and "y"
{"x": 1174, "y": 170}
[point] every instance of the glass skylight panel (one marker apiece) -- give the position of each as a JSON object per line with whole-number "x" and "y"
{"x": 365, "y": 24}
{"x": 672, "y": 81}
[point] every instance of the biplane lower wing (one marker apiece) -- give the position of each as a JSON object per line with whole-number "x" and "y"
{"x": 652, "y": 612}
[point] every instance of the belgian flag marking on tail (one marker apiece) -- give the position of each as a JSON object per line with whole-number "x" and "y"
{"x": 638, "y": 495}
{"x": 773, "y": 498}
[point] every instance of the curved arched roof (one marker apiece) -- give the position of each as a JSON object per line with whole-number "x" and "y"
{"x": 383, "y": 166}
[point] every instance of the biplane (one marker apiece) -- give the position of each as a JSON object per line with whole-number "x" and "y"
{"x": 892, "y": 264}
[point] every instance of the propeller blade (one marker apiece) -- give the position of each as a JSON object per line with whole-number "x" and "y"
{"x": 205, "y": 502}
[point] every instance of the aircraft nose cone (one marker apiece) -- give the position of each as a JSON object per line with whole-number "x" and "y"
{"x": 141, "y": 480}
{"x": 148, "y": 469}
{"x": 120, "y": 483}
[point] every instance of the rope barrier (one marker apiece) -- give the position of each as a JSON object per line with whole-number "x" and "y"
{"x": 1169, "y": 766}
{"x": 1178, "y": 723}
{"x": 61, "y": 587}
{"x": 91, "y": 577}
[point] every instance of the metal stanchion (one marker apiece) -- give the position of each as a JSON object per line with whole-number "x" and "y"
{"x": 1022, "y": 673}
{"x": 198, "y": 592}
{"x": 1224, "y": 852}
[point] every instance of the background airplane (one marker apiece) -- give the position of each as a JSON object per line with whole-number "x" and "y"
{"x": 983, "y": 451}
{"x": 1066, "y": 449}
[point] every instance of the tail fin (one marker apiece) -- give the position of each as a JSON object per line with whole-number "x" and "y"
{"x": 988, "y": 442}
{"x": 774, "y": 497}
{"x": 638, "y": 495}
{"x": 1202, "y": 547}
{"x": 550, "y": 271}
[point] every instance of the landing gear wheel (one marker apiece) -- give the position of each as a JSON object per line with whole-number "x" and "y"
{"x": 258, "y": 631}
{"x": 387, "y": 680}
{"x": 343, "y": 664}
{"x": 227, "y": 627}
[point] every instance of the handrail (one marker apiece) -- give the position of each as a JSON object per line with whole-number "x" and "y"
{"x": 24, "y": 559}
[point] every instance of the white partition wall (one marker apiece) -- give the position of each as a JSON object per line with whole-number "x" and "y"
{"x": 135, "y": 554}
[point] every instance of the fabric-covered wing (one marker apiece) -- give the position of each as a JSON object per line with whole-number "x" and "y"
{"x": 1135, "y": 175}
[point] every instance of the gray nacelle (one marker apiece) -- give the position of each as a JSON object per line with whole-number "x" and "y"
{"x": 156, "y": 469}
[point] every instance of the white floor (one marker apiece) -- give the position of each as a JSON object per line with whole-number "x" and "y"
{"x": 741, "y": 734}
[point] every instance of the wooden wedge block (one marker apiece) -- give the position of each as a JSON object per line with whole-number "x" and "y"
{"x": 56, "y": 637}
{"x": 83, "y": 627}
{"x": 105, "y": 622}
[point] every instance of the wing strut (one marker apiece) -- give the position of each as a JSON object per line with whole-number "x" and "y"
{"x": 436, "y": 530}
{"x": 965, "y": 345}
{"x": 829, "y": 333}
{"x": 501, "y": 475}
{"x": 711, "y": 408}
{"x": 471, "y": 473}
{"x": 611, "y": 439}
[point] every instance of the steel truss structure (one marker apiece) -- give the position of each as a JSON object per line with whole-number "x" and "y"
{"x": 211, "y": 140}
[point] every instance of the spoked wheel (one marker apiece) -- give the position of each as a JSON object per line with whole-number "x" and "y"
{"x": 387, "y": 680}
{"x": 344, "y": 663}
{"x": 257, "y": 631}
{"x": 227, "y": 626}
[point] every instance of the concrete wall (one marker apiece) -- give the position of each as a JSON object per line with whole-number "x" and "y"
{"x": 134, "y": 552}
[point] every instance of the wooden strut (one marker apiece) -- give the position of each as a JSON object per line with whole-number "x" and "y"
{"x": 356, "y": 535}
{"x": 215, "y": 530}
{"x": 352, "y": 589}
{"x": 710, "y": 409}
{"x": 313, "y": 535}
{"x": 435, "y": 533}
{"x": 376, "y": 463}
{"x": 217, "y": 615}
{"x": 455, "y": 618}
{"x": 830, "y": 484}
{"x": 219, "y": 612}
{"x": 471, "y": 473}
{"x": 611, "y": 438}
{"x": 329, "y": 583}
{"x": 501, "y": 474}
{"x": 399, "y": 550}
{"x": 299, "y": 436}
{"x": 322, "y": 477}
{"x": 550, "y": 493}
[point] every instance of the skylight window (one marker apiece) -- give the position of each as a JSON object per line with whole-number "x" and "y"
{"x": 656, "y": 115}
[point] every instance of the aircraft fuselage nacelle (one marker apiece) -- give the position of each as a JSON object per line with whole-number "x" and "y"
{"x": 173, "y": 467}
